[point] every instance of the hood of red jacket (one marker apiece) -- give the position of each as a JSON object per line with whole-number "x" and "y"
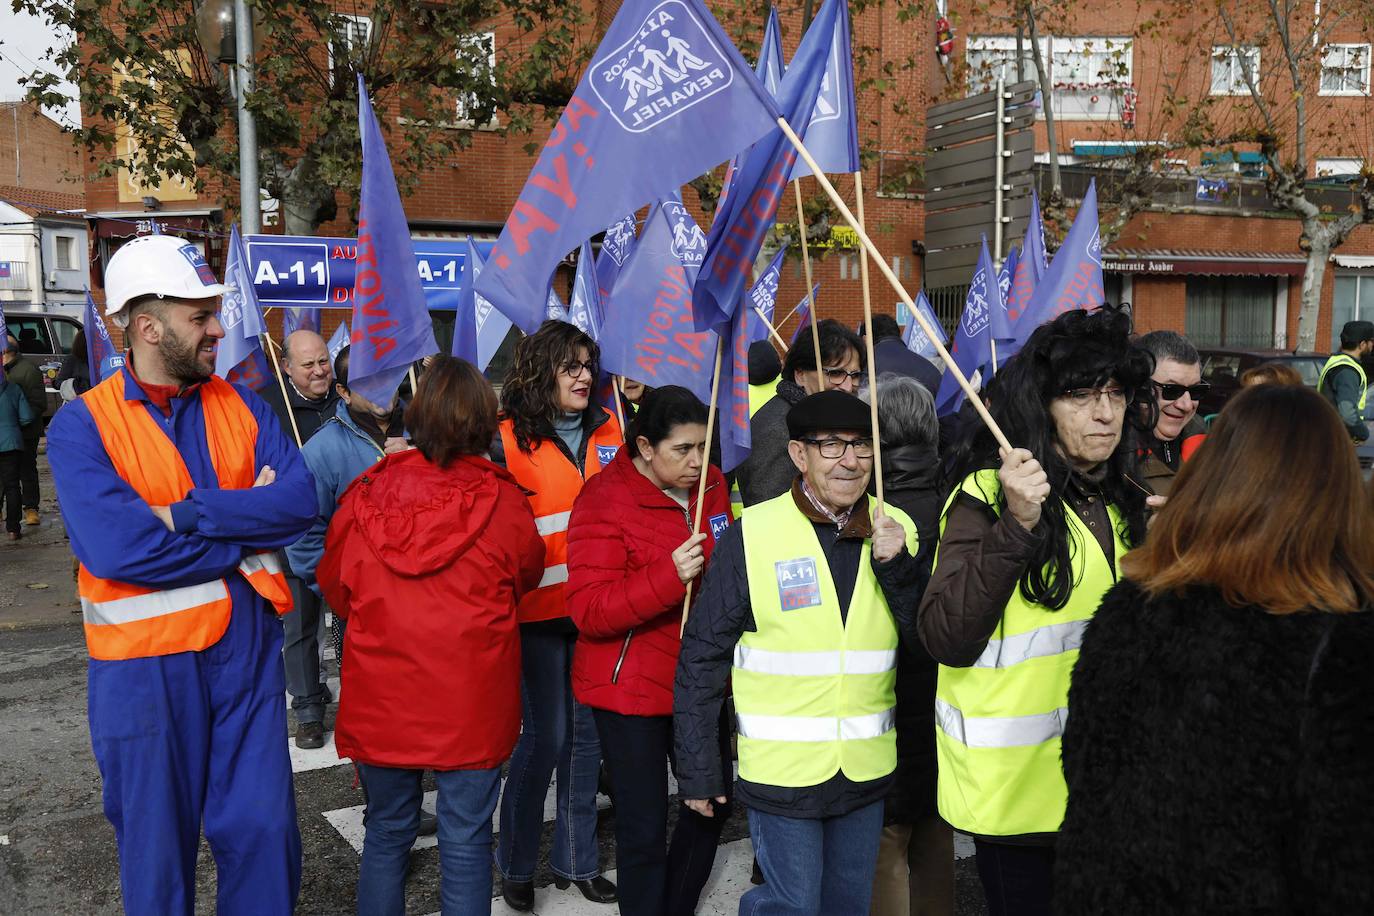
{"x": 417, "y": 517}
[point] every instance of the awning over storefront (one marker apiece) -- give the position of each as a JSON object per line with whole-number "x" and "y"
{"x": 1193, "y": 262}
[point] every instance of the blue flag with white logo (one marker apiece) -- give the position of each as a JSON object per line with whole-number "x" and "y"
{"x": 101, "y": 356}
{"x": 239, "y": 357}
{"x": 1074, "y": 278}
{"x": 748, "y": 212}
{"x": 616, "y": 246}
{"x": 648, "y": 334}
{"x": 339, "y": 340}
{"x": 915, "y": 337}
{"x": 299, "y": 320}
{"x": 1031, "y": 265}
{"x": 391, "y": 326}
{"x": 763, "y": 297}
{"x": 1003, "y": 325}
{"x": 478, "y": 329}
{"x": 972, "y": 348}
{"x": 771, "y": 66}
{"x": 666, "y": 98}
{"x": 832, "y": 135}
{"x": 555, "y": 310}
{"x": 585, "y": 309}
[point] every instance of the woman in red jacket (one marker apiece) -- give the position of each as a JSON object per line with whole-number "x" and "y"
{"x": 631, "y": 554}
{"x": 426, "y": 558}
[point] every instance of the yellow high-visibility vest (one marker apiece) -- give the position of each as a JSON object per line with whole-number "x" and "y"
{"x": 1341, "y": 359}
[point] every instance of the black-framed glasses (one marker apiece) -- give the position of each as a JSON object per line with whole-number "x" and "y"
{"x": 1085, "y": 397}
{"x": 575, "y": 368}
{"x": 835, "y": 448}
{"x": 1171, "y": 391}
{"x": 836, "y": 376}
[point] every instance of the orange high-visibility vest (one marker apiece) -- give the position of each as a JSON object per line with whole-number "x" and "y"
{"x": 130, "y": 621}
{"x": 555, "y": 483}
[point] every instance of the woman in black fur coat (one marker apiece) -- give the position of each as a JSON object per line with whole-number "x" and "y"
{"x": 1219, "y": 751}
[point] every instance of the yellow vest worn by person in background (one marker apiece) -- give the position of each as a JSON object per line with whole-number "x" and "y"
{"x": 999, "y": 722}
{"x": 1342, "y": 359}
{"x": 814, "y": 696}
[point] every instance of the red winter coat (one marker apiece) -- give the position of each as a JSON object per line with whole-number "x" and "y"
{"x": 426, "y": 564}
{"x": 623, "y": 591}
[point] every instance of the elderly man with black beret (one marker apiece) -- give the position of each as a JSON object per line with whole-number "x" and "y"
{"x": 801, "y": 610}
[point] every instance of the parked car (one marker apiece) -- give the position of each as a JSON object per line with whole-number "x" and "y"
{"x": 46, "y": 338}
{"x": 1222, "y": 367}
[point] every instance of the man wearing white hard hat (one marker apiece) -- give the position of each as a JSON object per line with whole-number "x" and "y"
{"x": 176, "y": 487}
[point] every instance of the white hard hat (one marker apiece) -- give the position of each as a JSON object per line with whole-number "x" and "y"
{"x": 156, "y": 265}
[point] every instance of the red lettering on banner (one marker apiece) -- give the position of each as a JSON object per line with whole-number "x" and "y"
{"x": 1079, "y": 291}
{"x": 577, "y": 110}
{"x": 669, "y": 299}
{"x": 368, "y": 283}
{"x": 344, "y": 253}
{"x": 559, "y": 186}
{"x": 525, "y": 218}
{"x": 382, "y": 345}
{"x": 343, "y": 295}
{"x": 367, "y": 253}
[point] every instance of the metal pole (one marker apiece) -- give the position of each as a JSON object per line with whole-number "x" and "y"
{"x": 998, "y": 204}
{"x": 250, "y": 212}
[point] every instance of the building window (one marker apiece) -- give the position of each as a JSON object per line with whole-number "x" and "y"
{"x": 1088, "y": 74}
{"x": 1230, "y": 312}
{"x": 1230, "y": 67}
{"x": 484, "y": 67}
{"x": 994, "y": 56}
{"x": 1345, "y": 70}
{"x": 348, "y": 42}
{"x": 66, "y": 252}
{"x": 1337, "y": 168}
{"x": 1353, "y": 299}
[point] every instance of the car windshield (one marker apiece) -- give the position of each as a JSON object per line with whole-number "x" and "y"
{"x": 1309, "y": 367}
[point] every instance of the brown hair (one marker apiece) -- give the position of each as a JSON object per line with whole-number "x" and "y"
{"x": 1272, "y": 373}
{"x": 529, "y": 397}
{"x": 454, "y": 411}
{"x": 1272, "y": 511}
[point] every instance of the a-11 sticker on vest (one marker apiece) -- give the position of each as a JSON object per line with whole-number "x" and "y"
{"x": 798, "y": 586}
{"x": 606, "y": 454}
{"x": 718, "y": 525}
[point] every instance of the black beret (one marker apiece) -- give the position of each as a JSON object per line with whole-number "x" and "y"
{"x": 1359, "y": 330}
{"x": 833, "y": 410}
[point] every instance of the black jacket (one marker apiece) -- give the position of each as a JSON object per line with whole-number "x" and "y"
{"x": 1219, "y": 760}
{"x": 891, "y": 355}
{"x": 769, "y": 471}
{"x": 310, "y": 415}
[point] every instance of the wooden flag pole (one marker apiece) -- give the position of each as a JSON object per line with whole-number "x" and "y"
{"x": 286, "y": 398}
{"x": 868, "y": 344}
{"x": 414, "y": 385}
{"x": 993, "y": 344}
{"x": 705, "y": 466}
{"x": 810, "y": 289}
{"x": 620, "y": 409}
{"x": 771, "y": 330}
{"x": 896, "y": 284}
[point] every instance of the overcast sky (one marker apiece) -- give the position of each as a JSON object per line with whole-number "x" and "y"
{"x": 23, "y": 46}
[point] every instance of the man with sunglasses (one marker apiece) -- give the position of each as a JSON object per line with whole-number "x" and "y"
{"x": 1179, "y": 390}
{"x": 801, "y": 612}
{"x": 1343, "y": 380}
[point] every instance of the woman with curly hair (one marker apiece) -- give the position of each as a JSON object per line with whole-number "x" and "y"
{"x": 552, "y": 440}
{"x": 1030, "y": 542}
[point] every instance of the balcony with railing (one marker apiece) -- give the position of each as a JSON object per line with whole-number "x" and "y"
{"x": 14, "y": 275}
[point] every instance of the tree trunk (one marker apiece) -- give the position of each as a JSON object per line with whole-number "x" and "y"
{"x": 1317, "y": 256}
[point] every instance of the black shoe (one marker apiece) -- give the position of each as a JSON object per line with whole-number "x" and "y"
{"x": 429, "y": 824}
{"x": 310, "y": 735}
{"x": 519, "y": 895}
{"x": 597, "y": 890}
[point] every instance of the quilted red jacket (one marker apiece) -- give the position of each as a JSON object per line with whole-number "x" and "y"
{"x": 623, "y": 591}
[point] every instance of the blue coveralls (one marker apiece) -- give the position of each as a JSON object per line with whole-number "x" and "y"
{"x": 192, "y": 736}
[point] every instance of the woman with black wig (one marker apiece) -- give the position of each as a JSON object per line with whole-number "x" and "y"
{"x": 1030, "y": 542}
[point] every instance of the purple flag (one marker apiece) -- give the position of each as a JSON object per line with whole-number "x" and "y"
{"x": 391, "y": 326}
{"x": 1074, "y": 279}
{"x": 915, "y": 337}
{"x": 763, "y": 297}
{"x": 554, "y": 309}
{"x": 648, "y": 333}
{"x": 1003, "y": 325}
{"x": 803, "y": 312}
{"x": 478, "y": 329}
{"x": 585, "y": 310}
{"x": 735, "y": 438}
{"x": 770, "y": 65}
{"x": 667, "y": 97}
{"x": 339, "y": 340}
{"x": 1030, "y": 265}
{"x": 616, "y": 246}
{"x": 832, "y": 135}
{"x": 299, "y": 320}
{"x": 239, "y": 357}
{"x": 101, "y": 356}
{"x": 749, "y": 210}
{"x": 972, "y": 347}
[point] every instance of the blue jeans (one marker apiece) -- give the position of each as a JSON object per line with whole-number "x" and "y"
{"x": 556, "y": 733}
{"x": 814, "y": 867}
{"x": 466, "y": 801}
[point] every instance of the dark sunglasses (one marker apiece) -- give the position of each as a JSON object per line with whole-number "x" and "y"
{"x": 1170, "y": 391}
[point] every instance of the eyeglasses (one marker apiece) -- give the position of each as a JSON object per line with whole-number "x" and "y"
{"x": 575, "y": 368}
{"x": 1170, "y": 391}
{"x": 1085, "y": 397}
{"x": 835, "y": 448}
{"x": 836, "y": 376}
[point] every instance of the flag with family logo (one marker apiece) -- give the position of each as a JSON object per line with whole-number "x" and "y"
{"x": 648, "y": 333}
{"x": 1030, "y": 265}
{"x": 666, "y": 98}
{"x": 803, "y": 313}
{"x": 391, "y": 325}
{"x": 1003, "y": 325}
{"x": 297, "y": 319}
{"x": 101, "y": 356}
{"x": 748, "y": 213}
{"x": 832, "y": 134}
{"x": 616, "y": 246}
{"x": 585, "y": 310}
{"x": 239, "y": 357}
{"x": 915, "y": 336}
{"x": 1074, "y": 278}
{"x": 972, "y": 348}
{"x": 763, "y": 297}
{"x": 554, "y": 309}
{"x": 338, "y": 341}
{"x": 478, "y": 329}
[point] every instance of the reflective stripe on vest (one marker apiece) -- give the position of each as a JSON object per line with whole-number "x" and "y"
{"x": 999, "y": 721}
{"x": 554, "y": 482}
{"x": 123, "y": 620}
{"x": 1342, "y": 359}
{"x": 814, "y": 692}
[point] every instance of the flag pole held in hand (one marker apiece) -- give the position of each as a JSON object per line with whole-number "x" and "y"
{"x": 705, "y": 466}
{"x": 281, "y": 382}
{"x": 868, "y": 344}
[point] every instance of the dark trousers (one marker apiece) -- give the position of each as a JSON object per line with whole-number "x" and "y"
{"x": 28, "y": 466}
{"x": 1018, "y": 880}
{"x": 655, "y": 878}
{"x": 9, "y": 487}
{"x": 301, "y": 653}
